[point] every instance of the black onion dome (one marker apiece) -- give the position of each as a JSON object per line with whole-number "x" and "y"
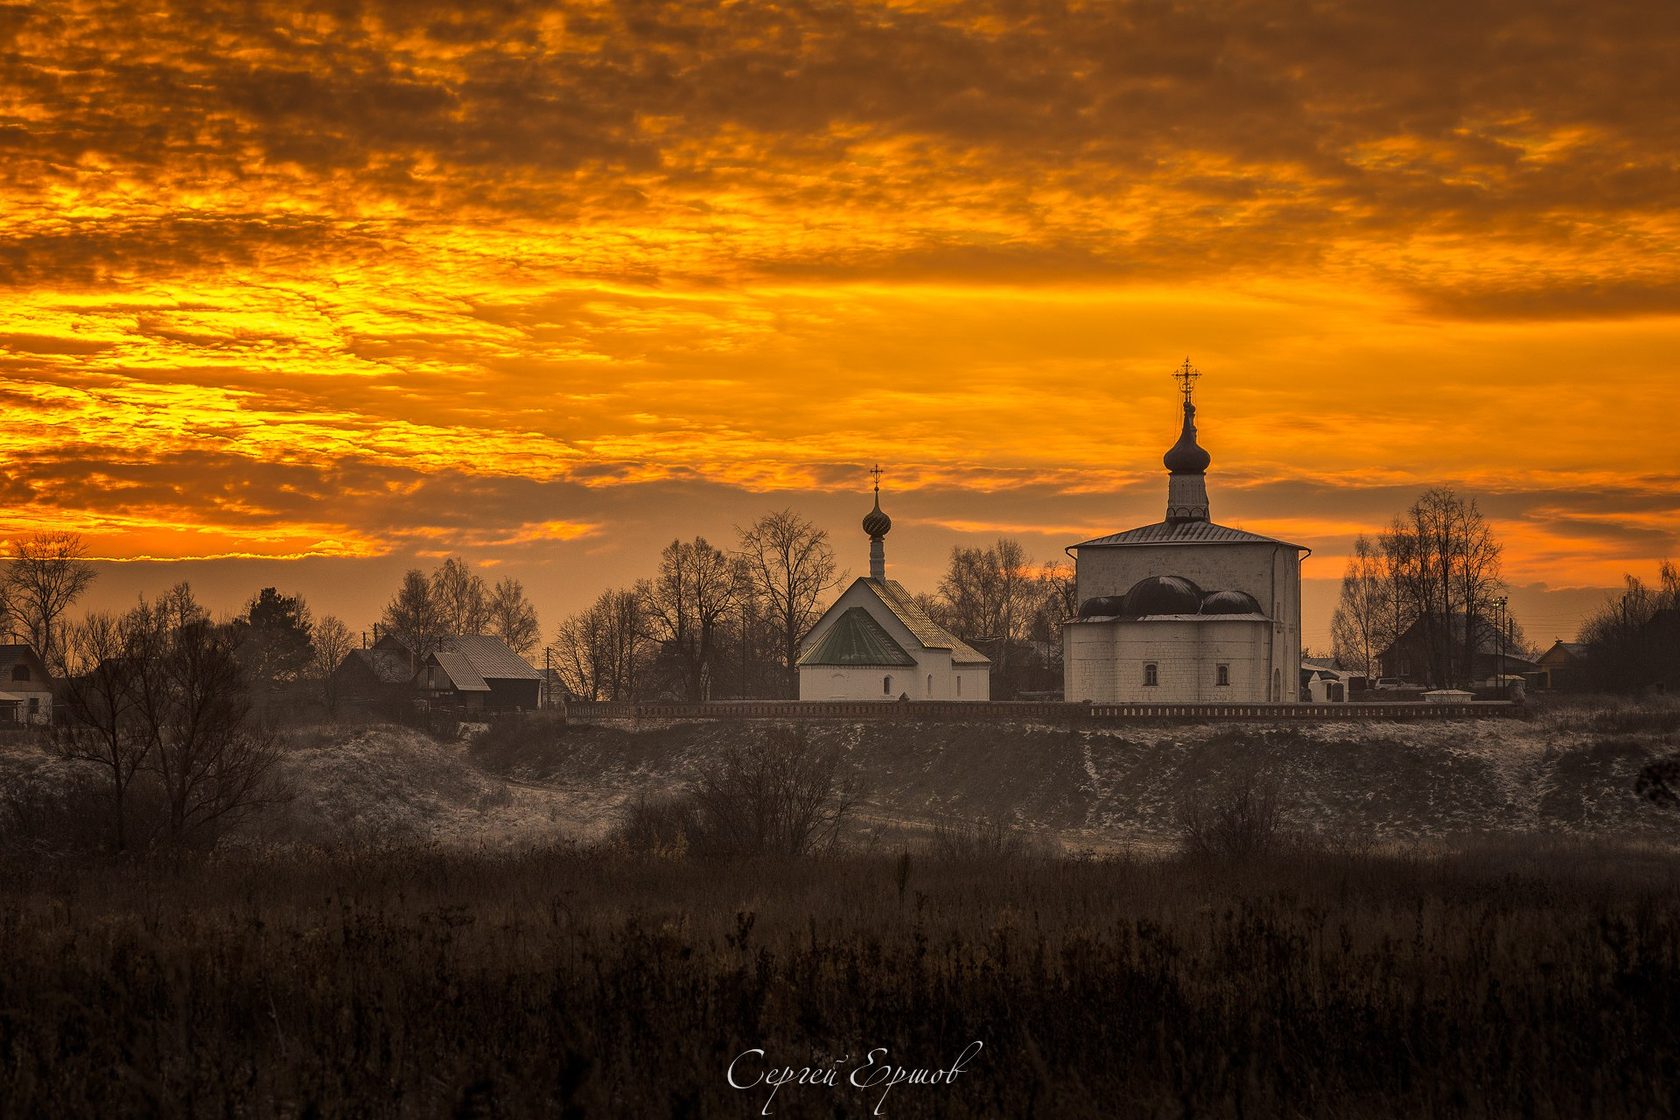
{"x": 1103, "y": 606}
{"x": 1186, "y": 456}
{"x": 876, "y": 523}
{"x": 1163, "y": 595}
{"x": 1230, "y": 602}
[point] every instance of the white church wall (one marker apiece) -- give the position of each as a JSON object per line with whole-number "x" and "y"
{"x": 1269, "y": 572}
{"x": 1107, "y": 661}
{"x": 932, "y": 678}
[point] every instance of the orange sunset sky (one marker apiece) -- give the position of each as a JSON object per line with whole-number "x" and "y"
{"x": 306, "y": 294}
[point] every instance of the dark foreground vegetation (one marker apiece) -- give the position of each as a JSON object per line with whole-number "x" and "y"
{"x": 570, "y": 982}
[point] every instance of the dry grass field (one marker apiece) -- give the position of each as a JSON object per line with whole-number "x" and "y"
{"x": 1508, "y": 981}
{"x": 1464, "y": 920}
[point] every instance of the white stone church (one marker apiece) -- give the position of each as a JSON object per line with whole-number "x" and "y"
{"x": 875, "y": 643}
{"x": 1185, "y": 610}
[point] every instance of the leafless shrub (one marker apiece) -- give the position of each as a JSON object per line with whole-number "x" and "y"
{"x": 783, "y": 795}
{"x": 986, "y": 840}
{"x": 1245, "y": 823}
{"x": 780, "y": 796}
{"x": 659, "y": 826}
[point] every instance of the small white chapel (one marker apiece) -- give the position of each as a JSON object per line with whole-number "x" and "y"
{"x": 875, "y": 643}
{"x": 1185, "y": 610}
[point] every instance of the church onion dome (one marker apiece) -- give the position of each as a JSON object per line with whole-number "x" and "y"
{"x": 1186, "y": 456}
{"x": 1230, "y": 602}
{"x": 1104, "y": 606}
{"x": 876, "y": 523}
{"x": 1162, "y": 595}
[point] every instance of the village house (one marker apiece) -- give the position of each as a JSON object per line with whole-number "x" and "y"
{"x": 26, "y": 695}
{"x": 1494, "y": 661}
{"x": 1563, "y": 668}
{"x": 377, "y": 678}
{"x": 477, "y": 672}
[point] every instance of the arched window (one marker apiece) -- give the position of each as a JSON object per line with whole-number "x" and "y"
{"x": 886, "y": 686}
{"x": 1277, "y": 686}
{"x": 959, "y": 685}
{"x": 1151, "y": 675}
{"x": 930, "y": 684}
{"x": 20, "y": 672}
{"x": 1222, "y": 675}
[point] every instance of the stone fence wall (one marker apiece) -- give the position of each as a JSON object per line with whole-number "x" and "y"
{"x": 1005, "y": 711}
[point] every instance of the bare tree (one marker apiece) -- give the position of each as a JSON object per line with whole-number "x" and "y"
{"x": 991, "y": 595}
{"x": 150, "y": 699}
{"x": 1358, "y": 627}
{"x": 1444, "y": 563}
{"x": 46, "y": 574}
{"x": 790, "y": 569}
{"x": 212, "y": 759}
{"x": 686, "y": 602}
{"x": 101, "y": 720}
{"x": 1627, "y": 651}
{"x": 599, "y": 650}
{"x": 460, "y": 597}
{"x": 332, "y": 643}
{"x": 511, "y": 617}
{"x": 412, "y": 616}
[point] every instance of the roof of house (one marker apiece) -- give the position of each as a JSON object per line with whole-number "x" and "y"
{"x": 925, "y": 630}
{"x": 460, "y": 671}
{"x": 390, "y": 666}
{"x": 13, "y": 652}
{"x": 1182, "y": 532}
{"x": 856, "y": 639}
{"x": 492, "y": 658}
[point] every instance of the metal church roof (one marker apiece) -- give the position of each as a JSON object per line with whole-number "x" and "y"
{"x": 926, "y": 630}
{"x": 856, "y": 639}
{"x": 1182, "y": 532}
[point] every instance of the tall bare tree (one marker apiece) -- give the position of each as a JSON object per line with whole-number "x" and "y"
{"x": 150, "y": 698}
{"x": 1443, "y": 561}
{"x": 460, "y": 597}
{"x": 600, "y": 651}
{"x": 45, "y": 574}
{"x": 510, "y": 616}
{"x": 101, "y": 722}
{"x": 790, "y": 568}
{"x": 330, "y": 645}
{"x": 990, "y": 595}
{"x": 696, "y": 587}
{"x": 412, "y": 617}
{"x": 1359, "y": 629}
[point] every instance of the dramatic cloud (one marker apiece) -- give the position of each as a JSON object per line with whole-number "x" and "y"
{"x": 388, "y": 278}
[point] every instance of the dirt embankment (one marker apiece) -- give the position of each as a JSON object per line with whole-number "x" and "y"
{"x": 1102, "y": 789}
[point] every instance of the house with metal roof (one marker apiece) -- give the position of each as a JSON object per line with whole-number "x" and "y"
{"x": 1183, "y": 609}
{"x": 478, "y": 672}
{"x": 876, "y": 643}
{"x": 26, "y": 693}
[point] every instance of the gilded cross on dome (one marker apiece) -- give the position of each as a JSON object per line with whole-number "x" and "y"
{"x": 1186, "y": 375}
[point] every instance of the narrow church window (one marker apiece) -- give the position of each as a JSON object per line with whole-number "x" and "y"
{"x": 959, "y": 685}
{"x": 930, "y": 684}
{"x": 886, "y": 686}
{"x": 1224, "y": 675}
{"x": 1151, "y": 675}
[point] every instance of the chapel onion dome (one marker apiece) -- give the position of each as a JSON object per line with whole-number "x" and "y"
{"x": 876, "y": 523}
{"x": 1186, "y": 456}
{"x": 1230, "y": 602}
{"x": 1162, "y": 595}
